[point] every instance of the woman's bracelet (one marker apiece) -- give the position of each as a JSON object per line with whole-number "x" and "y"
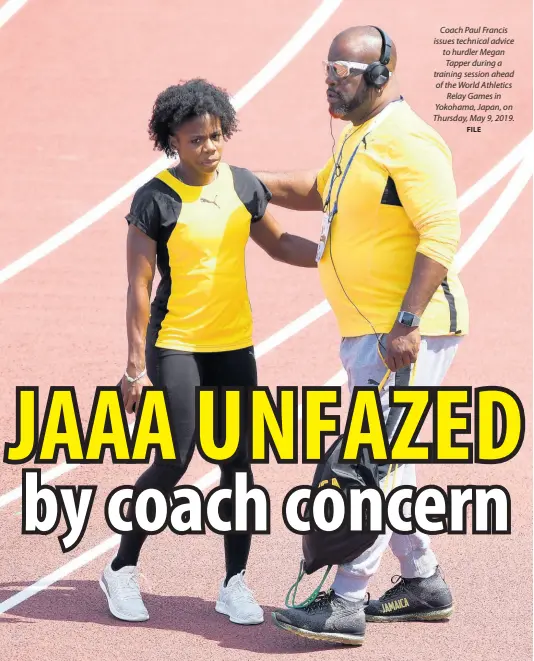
{"x": 133, "y": 379}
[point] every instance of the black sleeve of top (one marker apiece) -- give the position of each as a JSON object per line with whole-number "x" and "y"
{"x": 145, "y": 212}
{"x": 252, "y": 192}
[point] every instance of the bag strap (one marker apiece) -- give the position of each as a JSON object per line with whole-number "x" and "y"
{"x": 295, "y": 585}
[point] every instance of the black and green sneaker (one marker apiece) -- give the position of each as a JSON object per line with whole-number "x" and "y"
{"x": 412, "y": 599}
{"x": 328, "y": 618}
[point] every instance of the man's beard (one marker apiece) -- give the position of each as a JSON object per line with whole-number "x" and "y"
{"x": 343, "y": 108}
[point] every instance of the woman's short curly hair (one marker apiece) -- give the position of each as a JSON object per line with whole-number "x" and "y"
{"x": 178, "y": 103}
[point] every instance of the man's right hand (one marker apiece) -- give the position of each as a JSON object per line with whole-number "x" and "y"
{"x": 131, "y": 392}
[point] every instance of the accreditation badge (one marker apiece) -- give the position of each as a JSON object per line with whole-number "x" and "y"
{"x": 325, "y": 229}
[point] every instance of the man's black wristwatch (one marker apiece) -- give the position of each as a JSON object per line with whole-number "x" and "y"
{"x": 408, "y": 319}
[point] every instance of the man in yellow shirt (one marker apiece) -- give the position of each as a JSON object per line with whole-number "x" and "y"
{"x": 390, "y": 232}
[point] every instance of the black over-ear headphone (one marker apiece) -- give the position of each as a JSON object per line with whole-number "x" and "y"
{"x": 377, "y": 74}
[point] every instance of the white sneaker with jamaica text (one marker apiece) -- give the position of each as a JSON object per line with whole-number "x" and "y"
{"x": 237, "y": 601}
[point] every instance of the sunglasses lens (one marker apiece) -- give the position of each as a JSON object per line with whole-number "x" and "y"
{"x": 336, "y": 69}
{"x": 341, "y": 70}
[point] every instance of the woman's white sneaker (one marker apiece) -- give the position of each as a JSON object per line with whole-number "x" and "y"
{"x": 121, "y": 588}
{"x": 237, "y": 601}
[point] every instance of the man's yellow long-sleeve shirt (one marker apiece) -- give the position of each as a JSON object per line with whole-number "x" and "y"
{"x": 398, "y": 198}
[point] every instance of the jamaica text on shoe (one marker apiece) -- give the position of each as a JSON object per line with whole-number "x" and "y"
{"x": 412, "y": 599}
{"x": 330, "y": 618}
{"x": 121, "y": 588}
{"x": 237, "y": 601}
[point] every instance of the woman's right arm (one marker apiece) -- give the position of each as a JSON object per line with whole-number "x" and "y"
{"x": 141, "y": 265}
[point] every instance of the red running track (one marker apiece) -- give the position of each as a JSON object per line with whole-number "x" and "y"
{"x": 80, "y": 86}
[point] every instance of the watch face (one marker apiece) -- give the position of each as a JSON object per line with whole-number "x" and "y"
{"x": 407, "y": 318}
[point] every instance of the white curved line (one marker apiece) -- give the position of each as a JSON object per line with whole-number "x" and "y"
{"x": 241, "y": 98}
{"x": 9, "y": 9}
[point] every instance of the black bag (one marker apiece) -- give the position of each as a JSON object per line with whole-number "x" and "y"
{"x": 325, "y": 549}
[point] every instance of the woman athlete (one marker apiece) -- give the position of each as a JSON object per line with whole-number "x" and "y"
{"x": 193, "y": 220}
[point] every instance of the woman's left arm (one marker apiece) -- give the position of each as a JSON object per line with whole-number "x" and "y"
{"x": 282, "y": 246}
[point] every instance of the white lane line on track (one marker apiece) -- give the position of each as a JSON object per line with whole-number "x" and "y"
{"x": 503, "y": 167}
{"x": 316, "y": 21}
{"x": 9, "y": 9}
{"x": 473, "y": 243}
{"x": 504, "y": 202}
{"x": 512, "y": 191}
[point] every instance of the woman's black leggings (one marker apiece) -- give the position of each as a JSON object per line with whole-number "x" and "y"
{"x": 179, "y": 373}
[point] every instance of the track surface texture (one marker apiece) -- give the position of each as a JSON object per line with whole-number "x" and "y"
{"x": 78, "y": 82}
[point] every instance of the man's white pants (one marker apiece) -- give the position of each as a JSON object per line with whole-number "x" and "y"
{"x": 364, "y": 366}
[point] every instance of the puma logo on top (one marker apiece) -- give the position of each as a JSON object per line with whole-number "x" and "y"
{"x": 203, "y": 199}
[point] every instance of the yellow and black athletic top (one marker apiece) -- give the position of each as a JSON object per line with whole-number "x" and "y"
{"x": 202, "y": 301}
{"x": 398, "y": 198}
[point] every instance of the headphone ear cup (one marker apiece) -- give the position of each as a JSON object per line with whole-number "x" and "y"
{"x": 376, "y": 74}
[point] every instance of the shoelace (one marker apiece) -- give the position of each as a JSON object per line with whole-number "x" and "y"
{"x": 322, "y": 599}
{"x": 396, "y": 589}
{"x": 243, "y": 592}
{"x": 129, "y": 585}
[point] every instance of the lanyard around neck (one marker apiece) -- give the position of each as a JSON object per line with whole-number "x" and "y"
{"x": 375, "y": 122}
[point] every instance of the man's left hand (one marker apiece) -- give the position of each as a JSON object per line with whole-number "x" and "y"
{"x": 402, "y": 346}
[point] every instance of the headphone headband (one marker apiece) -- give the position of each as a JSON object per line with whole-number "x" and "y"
{"x": 385, "y": 52}
{"x": 377, "y": 73}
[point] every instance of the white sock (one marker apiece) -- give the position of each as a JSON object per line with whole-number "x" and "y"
{"x": 351, "y": 589}
{"x": 426, "y": 574}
